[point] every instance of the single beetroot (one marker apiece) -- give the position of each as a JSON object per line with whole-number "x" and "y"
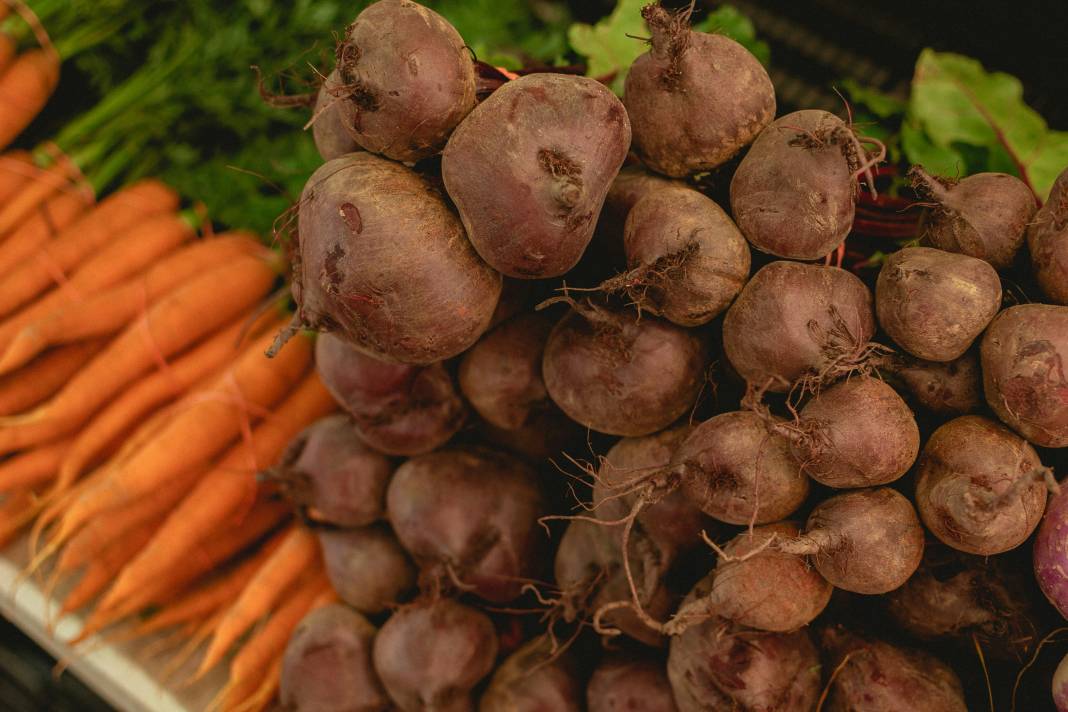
{"x": 980, "y": 487}
{"x": 637, "y": 685}
{"x": 430, "y": 504}
{"x": 686, "y": 259}
{"x": 874, "y": 676}
{"x": 950, "y": 388}
{"x": 617, "y": 374}
{"x": 535, "y": 678}
{"x": 332, "y": 120}
{"x": 331, "y": 475}
{"x": 933, "y": 303}
{"x": 864, "y": 541}
{"x": 795, "y": 320}
{"x": 1047, "y": 238}
{"x": 397, "y": 409}
{"x": 1051, "y": 553}
{"x": 383, "y": 262}
{"x": 694, "y": 99}
{"x": 1023, "y": 354}
{"x": 983, "y": 215}
{"x": 1059, "y": 685}
{"x": 408, "y": 77}
{"x": 431, "y": 654}
{"x": 327, "y": 664}
{"x": 632, "y": 184}
{"x": 530, "y": 167}
{"x": 367, "y": 567}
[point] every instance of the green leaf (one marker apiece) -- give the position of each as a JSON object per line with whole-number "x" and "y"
{"x": 960, "y": 107}
{"x": 729, "y": 21}
{"x": 940, "y": 160}
{"x": 607, "y": 47}
{"x": 881, "y": 104}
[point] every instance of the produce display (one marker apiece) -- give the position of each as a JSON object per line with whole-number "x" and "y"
{"x": 546, "y": 391}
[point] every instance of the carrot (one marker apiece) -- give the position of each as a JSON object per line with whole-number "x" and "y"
{"x": 25, "y": 88}
{"x": 152, "y": 391}
{"x": 48, "y": 180}
{"x": 298, "y": 551}
{"x": 111, "y": 310}
{"x": 15, "y": 513}
{"x": 262, "y": 694}
{"x": 46, "y": 375}
{"x": 222, "y": 492}
{"x": 42, "y": 225}
{"x": 197, "y": 309}
{"x": 33, "y": 467}
{"x": 16, "y": 169}
{"x": 8, "y": 45}
{"x": 103, "y": 567}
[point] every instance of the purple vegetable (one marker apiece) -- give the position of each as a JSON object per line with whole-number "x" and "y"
{"x": 632, "y": 685}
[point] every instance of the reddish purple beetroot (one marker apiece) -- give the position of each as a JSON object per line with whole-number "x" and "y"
{"x": 637, "y": 685}
{"x": 1047, "y": 238}
{"x": 534, "y": 679}
{"x": 953, "y": 388}
{"x": 1051, "y": 553}
{"x": 332, "y": 121}
{"x": 367, "y": 567}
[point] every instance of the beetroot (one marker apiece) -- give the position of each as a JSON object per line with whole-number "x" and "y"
{"x": 544, "y": 436}
{"x": 857, "y": 433}
{"x": 979, "y": 486}
{"x": 383, "y": 262}
{"x": 367, "y": 567}
{"x": 632, "y": 184}
{"x": 934, "y": 304}
{"x": 984, "y": 215}
{"x": 429, "y": 655}
{"x": 756, "y": 586}
{"x": 686, "y": 259}
{"x": 794, "y": 194}
{"x": 879, "y": 677}
{"x": 530, "y": 167}
{"x": 864, "y": 541}
{"x": 795, "y": 320}
{"x": 627, "y": 684}
{"x": 694, "y": 99}
{"x": 409, "y": 78}
{"x": 951, "y": 388}
{"x": 1051, "y": 550}
{"x": 534, "y": 679}
{"x": 718, "y": 666}
{"x": 615, "y": 373}
{"x": 398, "y": 409}
{"x": 1060, "y": 685}
{"x": 430, "y": 503}
{"x": 327, "y": 664}
{"x": 332, "y": 119}
{"x": 1047, "y": 238}
{"x": 330, "y": 474}
{"x": 735, "y": 469}
{"x": 673, "y": 519}
{"x": 1023, "y": 354}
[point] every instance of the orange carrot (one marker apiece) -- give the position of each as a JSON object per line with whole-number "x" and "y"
{"x": 299, "y": 551}
{"x": 41, "y": 226}
{"x": 261, "y": 694}
{"x": 111, "y": 310}
{"x": 221, "y": 493}
{"x": 25, "y": 88}
{"x": 16, "y": 169}
{"x": 187, "y": 314}
{"x": 15, "y": 513}
{"x": 8, "y": 45}
{"x": 103, "y": 567}
{"x": 33, "y": 467}
{"x": 33, "y": 384}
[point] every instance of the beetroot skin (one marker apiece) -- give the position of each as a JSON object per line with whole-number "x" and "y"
{"x": 951, "y": 388}
{"x": 367, "y": 567}
{"x": 530, "y": 167}
{"x": 1051, "y": 552}
{"x": 1023, "y": 354}
{"x": 632, "y": 184}
{"x": 1047, "y": 238}
{"x": 383, "y": 262}
{"x": 409, "y": 78}
{"x": 793, "y": 320}
{"x": 333, "y": 119}
{"x": 430, "y": 503}
{"x": 430, "y": 655}
{"x": 635, "y": 685}
{"x": 397, "y": 409}
{"x": 535, "y": 678}
{"x": 984, "y": 215}
{"x": 694, "y": 99}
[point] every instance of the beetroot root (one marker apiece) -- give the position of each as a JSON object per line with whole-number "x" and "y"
{"x": 430, "y": 655}
{"x": 430, "y": 504}
{"x": 1023, "y": 354}
{"x": 637, "y": 685}
{"x": 533, "y": 679}
{"x": 952, "y": 388}
{"x": 694, "y": 99}
{"x": 333, "y": 476}
{"x": 794, "y": 320}
{"x": 327, "y": 664}
{"x": 984, "y": 215}
{"x": 332, "y": 119}
{"x": 980, "y": 487}
{"x": 383, "y": 262}
{"x": 367, "y": 567}
{"x": 397, "y": 409}
{"x": 874, "y": 676}
{"x": 933, "y": 303}
{"x": 865, "y": 541}
{"x": 686, "y": 259}
{"x": 530, "y": 167}
{"x": 408, "y": 77}
{"x": 1047, "y": 238}
{"x": 617, "y": 374}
